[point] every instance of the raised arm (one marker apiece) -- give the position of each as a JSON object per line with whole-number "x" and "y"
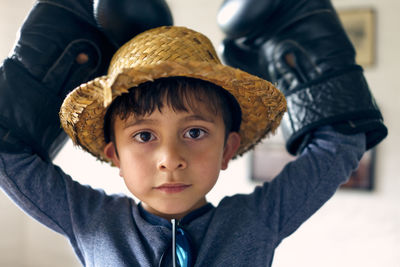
{"x": 62, "y": 44}
{"x": 306, "y": 183}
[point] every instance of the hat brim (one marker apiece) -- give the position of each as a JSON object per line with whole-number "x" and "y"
{"x": 82, "y": 113}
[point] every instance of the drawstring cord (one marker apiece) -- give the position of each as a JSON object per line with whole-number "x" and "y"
{"x": 173, "y": 221}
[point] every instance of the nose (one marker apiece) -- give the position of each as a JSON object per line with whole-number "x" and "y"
{"x": 171, "y": 159}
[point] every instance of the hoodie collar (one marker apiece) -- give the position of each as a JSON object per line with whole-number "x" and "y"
{"x": 158, "y": 221}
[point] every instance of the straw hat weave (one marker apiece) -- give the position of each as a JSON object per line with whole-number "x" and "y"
{"x": 167, "y": 52}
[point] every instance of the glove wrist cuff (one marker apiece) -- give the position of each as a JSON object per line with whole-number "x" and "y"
{"x": 342, "y": 100}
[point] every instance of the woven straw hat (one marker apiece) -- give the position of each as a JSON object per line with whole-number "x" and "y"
{"x": 166, "y": 52}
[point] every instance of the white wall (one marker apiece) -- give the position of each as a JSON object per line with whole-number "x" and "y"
{"x": 352, "y": 229}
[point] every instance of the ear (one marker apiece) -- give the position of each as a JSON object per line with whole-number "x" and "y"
{"x": 231, "y": 146}
{"x": 111, "y": 153}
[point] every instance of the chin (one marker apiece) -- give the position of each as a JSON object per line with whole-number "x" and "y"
{"x": 174, "y": 210}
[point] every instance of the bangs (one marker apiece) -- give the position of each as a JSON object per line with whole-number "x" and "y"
{"x": 179, "y": 94}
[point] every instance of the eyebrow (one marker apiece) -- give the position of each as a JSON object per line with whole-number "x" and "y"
{"x": 195, "y": 117}
{"x": 134, "y": 122}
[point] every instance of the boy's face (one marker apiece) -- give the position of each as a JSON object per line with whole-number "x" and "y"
{"x": 171, "y": 159}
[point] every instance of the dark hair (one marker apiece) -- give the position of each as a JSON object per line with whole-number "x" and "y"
{"x": 181, "y": 94}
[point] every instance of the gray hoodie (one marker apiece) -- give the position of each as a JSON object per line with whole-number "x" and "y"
{"x": 243, "y": 230}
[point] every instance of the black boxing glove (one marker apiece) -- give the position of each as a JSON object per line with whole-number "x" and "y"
{"x": 123, "y": 19}
{"x": 302, "y": 47}
{"x": 59, "y": 47}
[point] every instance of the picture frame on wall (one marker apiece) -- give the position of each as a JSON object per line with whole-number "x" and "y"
{"x": 363, "y": 178}
{"x": 269, "y": 158}
{"x": 359, "y": 24}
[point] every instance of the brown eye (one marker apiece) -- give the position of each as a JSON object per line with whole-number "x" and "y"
{"x": 195, "y": 133}
{"x": 144, "y": 137}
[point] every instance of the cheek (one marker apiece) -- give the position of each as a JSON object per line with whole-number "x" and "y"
{"x": 132, "y": 158}
{"x": 208, "y": 161}
{"x": 135, "y": 169}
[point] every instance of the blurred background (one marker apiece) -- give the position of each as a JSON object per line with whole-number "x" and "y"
{"x": 355, "y": 228}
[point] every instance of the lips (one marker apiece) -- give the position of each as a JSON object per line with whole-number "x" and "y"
{"x": 172, "y": 188}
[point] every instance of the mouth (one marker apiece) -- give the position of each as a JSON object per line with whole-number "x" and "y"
{"x": 172, "y": 188}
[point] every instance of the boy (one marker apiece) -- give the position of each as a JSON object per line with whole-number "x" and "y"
{"x": 170, "y": 136}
